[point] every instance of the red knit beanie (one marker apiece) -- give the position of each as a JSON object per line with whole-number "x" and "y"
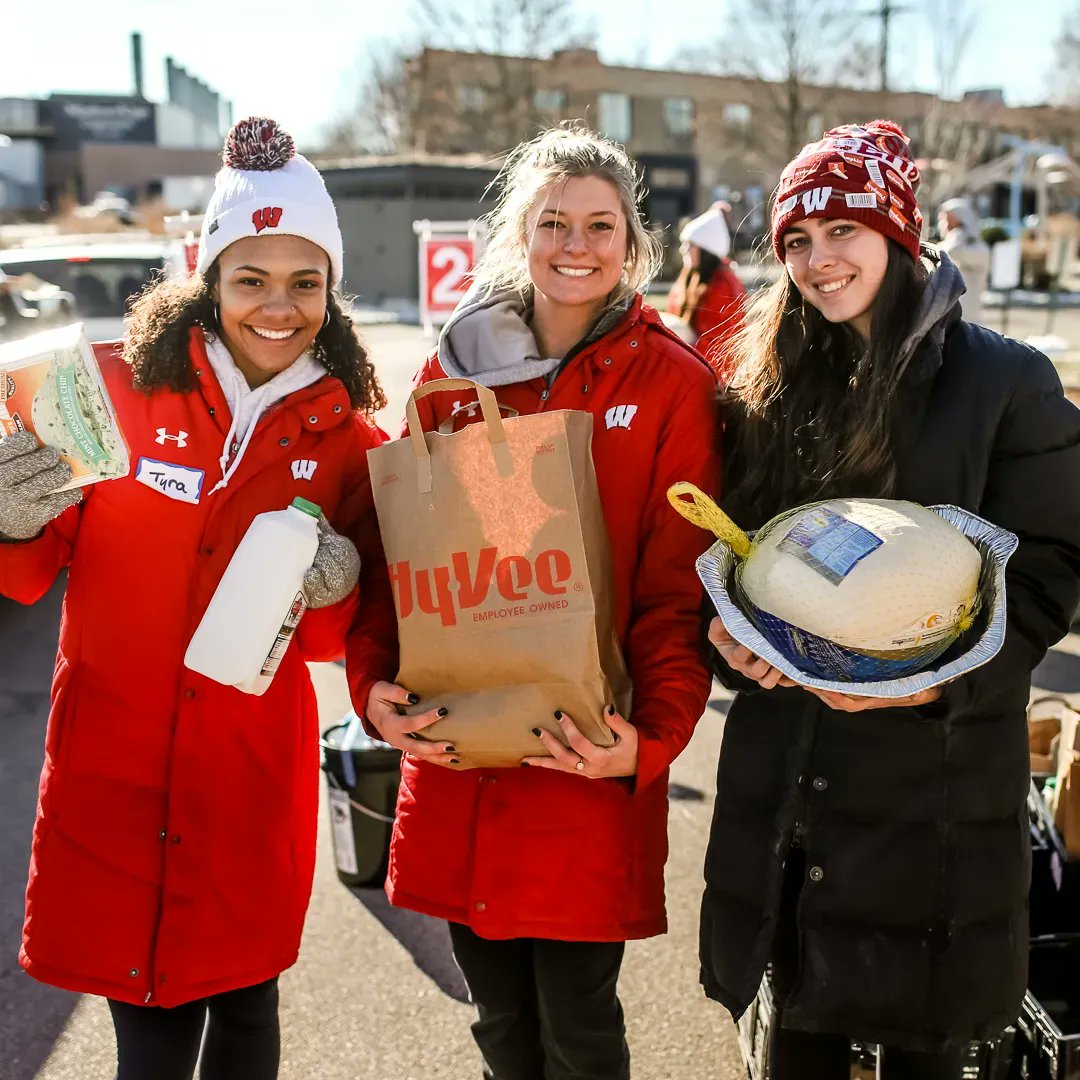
{"x": 862, "y": 172}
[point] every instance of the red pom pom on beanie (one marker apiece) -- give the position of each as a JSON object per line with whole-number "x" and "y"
{"x": 257, "y": 144}
{"x": 861, "y": 172}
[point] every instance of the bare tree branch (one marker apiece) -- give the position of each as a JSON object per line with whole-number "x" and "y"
{"x": 790, "y": 45}
{"x": 493, "y": 104}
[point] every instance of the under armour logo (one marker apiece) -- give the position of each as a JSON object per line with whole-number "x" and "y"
{"x": 163, "y": 436}
{"x": 620, "y": 416}
{"x": 469, "y": 408}
{"x": 303, "y": 469}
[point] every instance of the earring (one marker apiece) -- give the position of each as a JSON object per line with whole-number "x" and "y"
{"x": 326, "y": 319}
{"x": 217, "y": 315}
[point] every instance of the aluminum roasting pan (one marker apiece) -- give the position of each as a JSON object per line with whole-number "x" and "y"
{"x": 716, "y": 566}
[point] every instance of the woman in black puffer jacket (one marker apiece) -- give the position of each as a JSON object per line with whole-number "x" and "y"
{"x": 874, "y": 851}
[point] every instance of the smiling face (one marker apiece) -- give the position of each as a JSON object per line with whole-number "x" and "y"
{"x": 271, "y": 296}
{"x": 577, "y": 243}
{"x": 838, "y": 266}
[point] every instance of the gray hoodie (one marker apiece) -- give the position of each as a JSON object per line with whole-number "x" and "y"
{"x": 489, "y": 339}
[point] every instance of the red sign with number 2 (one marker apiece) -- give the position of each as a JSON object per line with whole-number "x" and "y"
{"x": 447, "y": 262}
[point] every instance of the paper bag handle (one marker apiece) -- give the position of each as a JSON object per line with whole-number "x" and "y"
{"x": 489, "y": 407}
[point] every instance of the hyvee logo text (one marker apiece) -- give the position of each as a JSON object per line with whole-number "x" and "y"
{"x": 447, "y": 590}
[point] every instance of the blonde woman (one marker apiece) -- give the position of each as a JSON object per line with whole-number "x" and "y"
{"x": 545, "y": 871}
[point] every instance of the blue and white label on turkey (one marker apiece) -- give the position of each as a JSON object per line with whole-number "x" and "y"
{"x": 829, "y": 543}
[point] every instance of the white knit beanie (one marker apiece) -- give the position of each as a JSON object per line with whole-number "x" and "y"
{"x": 265, "y": 188}
{"x": 709, "y": 231}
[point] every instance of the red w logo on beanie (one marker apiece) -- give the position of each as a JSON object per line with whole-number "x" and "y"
{"x": 267, "y": 217}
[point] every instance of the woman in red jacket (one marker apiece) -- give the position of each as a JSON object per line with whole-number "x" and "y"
{"x": 175, "y": 837}
{"x": 708, "y": 295}
{"x": 545, "y": 871}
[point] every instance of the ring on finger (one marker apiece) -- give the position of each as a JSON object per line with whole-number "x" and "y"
{"x": 580, "y": 766}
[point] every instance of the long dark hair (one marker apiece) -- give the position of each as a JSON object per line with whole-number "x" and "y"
{"x": 812, "y": 408}
{"x": 162, "y": 318}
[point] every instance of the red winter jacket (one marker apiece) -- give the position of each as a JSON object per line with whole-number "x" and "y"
{"x": 532, "y": 852}
{"x": 717, "y": 316}
{"x": 175, "y": 837}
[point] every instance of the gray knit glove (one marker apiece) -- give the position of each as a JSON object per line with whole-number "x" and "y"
{"x": 335, "y": 571}
{"x": 28, "y": 473}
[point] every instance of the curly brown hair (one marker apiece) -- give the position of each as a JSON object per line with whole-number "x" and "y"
{"x": 162, "y": 318}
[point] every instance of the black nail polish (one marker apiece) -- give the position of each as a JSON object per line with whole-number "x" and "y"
{"x": 413, "y": 699}
{"x": 558, "y": 714}
{"x": 611, "y": 710}
{"x": 526, "y": 765}
{"x": 454, "y": 761}
{"x": 536, "y": 732}
{"x": 411, "y": 735}
{"x": 442, "y": 712}
{"x": 450, "y": 749}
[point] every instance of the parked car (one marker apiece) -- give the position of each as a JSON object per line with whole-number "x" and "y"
{"x": 102, "y": 277}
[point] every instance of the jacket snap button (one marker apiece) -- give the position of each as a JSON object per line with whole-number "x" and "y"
{"x": 633, "y": 344}
{"x": 820, "y": 783}
{"x": 312, "y": 419}
{"x": 189, "y": 693}
{"x": 816, "y": 873}
{"x": 283, "y": 442}
{"x": 198, "y": 371}
{"x": 585, "y": 388}
{"x": 134, "y": 973}
{"x": 337, "y": 408}
{"x": 481, "y": 906}
{"x": 161, "y": 835}
{"x": 211, "y": 410}
{"x": 608, "y": 360}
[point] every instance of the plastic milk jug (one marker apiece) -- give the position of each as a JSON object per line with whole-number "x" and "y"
{"x": 259, "y": 601}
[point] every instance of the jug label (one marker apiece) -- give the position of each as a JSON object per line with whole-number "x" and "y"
{"x": 284, "y": 636}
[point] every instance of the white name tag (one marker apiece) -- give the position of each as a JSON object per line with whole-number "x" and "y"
{"x": 176, "y": 481}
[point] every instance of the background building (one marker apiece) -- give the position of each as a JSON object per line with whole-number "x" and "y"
{"x": 71, "y": 147}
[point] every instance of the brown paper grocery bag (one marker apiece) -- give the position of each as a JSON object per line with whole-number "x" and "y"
{"x": 501, "y": 567}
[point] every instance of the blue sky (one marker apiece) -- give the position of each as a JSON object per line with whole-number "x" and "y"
{"x": 301, "y": 63}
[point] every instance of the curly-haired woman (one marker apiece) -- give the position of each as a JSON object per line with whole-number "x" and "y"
{"x": 175, "y": 837}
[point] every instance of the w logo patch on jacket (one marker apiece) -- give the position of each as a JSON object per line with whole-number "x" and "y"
{"x": 303, "y": 469}
{"x": 620, "y": 416}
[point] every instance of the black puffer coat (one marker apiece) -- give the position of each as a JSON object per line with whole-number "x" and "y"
{"x": 912, "y": 914}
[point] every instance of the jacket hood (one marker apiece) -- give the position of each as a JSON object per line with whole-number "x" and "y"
{"x": 488, "y": 338}
{"x": 935, "y": 313}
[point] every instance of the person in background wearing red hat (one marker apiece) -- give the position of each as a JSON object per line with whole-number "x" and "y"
{"x": 174, "y": 844}
{"x": 874, "y": 851}
{"x": 708, "y": 296}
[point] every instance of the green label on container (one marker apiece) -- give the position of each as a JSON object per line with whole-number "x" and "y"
{"x": 67, "y": 393}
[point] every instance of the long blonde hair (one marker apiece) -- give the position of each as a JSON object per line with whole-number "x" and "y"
{"x": 558, "y": 154}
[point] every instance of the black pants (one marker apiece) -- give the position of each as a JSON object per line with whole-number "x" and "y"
{"x": 798, "y": 1055}
{"x": 242, "y": 1037}
{"x": 547, "y": 1010}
